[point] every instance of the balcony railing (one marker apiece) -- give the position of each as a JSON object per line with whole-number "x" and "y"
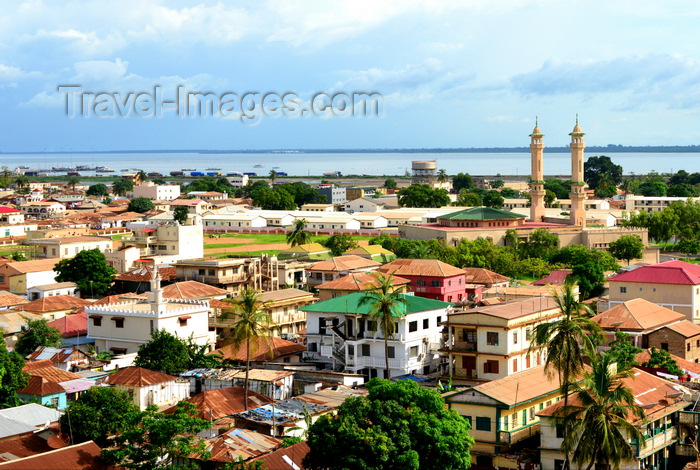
{"x": 511, "y": 437}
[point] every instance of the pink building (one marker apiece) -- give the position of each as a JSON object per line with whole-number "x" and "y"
{"x": 430, "y": 278}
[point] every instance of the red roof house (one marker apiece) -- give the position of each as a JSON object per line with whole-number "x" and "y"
{"x": 430, "y": 278}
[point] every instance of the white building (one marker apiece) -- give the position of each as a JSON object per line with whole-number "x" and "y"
{"x": 238, "y": 220}
{"x": 652, "y": 203}
{"x": 49, "y": 290}
{"x": 164, "y": 192}
{"x": 43, "y": 210}
{"x": 170, "y": 241}
{"x": 238, "y": 181}
{"x": 364, "y": 204}
{"x": 148, "y": 387}
{"x": 122, "y": 328}
{"x": 67, "y": 247}
{"x": 341, "y": 334}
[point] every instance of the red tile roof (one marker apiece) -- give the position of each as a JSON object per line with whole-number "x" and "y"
{"x": 22, "y": 446}
{"x": 483, "y": 276}
{"x": 356, "y": 282}
{"x": 8, "y": 210}
{"x": 556, "y": 277}
{"x": 215, "y": 404}
{"x": 637, "y": 314}
{"x": 261, "y": 352}
{"x": 279, "y": 459}
{"x": 54, "y": 303}
{"x": 48, "y": 371}
{"x": 420, "y": 267}
{"x": 138, "y": 376}
{"x": 71, "y": 325}
{"x": 85, "y": 456}
{"x": 191, "y": 290}
{"x": 145, "y": 274}
{"x": 39, "y": 386}
{"x": 10, "y": 300}
{"x": 343, "y": 263}
{"x": 685, "y": 328}
{"x": 668, "y": 272}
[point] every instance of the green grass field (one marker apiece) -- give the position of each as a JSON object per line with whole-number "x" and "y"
{"x": 259, "y": 239}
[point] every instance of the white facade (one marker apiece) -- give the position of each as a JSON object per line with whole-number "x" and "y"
{"x": 240, "y": 220}
{"x": 166, "y": 393}
{"x": 122, "y": 328}
{"x": 333, "y": 223}
{"x": 67, "y": 247}
{"x": 171, "y": 240}
{"x": 363, "y": 205}
{"x": 238, "y": 181}
{"x": 49, "y": 290}
{"x": 160, "y": 192}
{"x": 346, "y": 342}
{"x": 652, "y": 203}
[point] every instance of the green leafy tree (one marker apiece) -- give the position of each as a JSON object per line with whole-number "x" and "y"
{"x": 549, "y": 197}
{"x": 159, "y": 181}
{"x": 12, "y": 378}
{"x": 597, "y": 168}
{"x": 442, "y": 176}
{"x": 180, "y": 214}
{"x": 98, "y": 189}
{"x": 273, "y": 176}
{"x": 5, "y": 177}
{"x": 299, "y": 236}
{"x": 682, "y": 190}
{"x": 622, "y": 351}
{"x": 89, "y": 270}
{"x": 653, "y": 188}
{"x": 509, "y": 193}
{"x": 122, "y": 186}
{"x": 160, "y": 439}
{"x": 493, "y": 199}
{"x": 251, "y": 326}
{"x": 72, "y": 182}
{"x": 627, "y": 247}
{"x": 662, "y": 359}
{"x": 390, "y": 183}
{"x": 590, "y": 279}
{"x": 689, "y": 247}
{"x": 558, "y": 187}
{"x": 339, "y": 244}
{"x": 422, "y": 195}
{"x": 462, "y": 181}
{"x": 540, "y": 244}
{"x": 388, "y": 305}
{"x": 398, "y": 426}
{"x": 142, "y": 176}
{"x": 468, "y": 199}
{"x": 141, "y": 205}
{"x": 495, "y": 184}
{"x": 606, "y": 187}
{"x": 18, "y": 256}
{"x": 38, "y": 333}
{"x": 276, "y": 198}
{"x": 21, "y": 182}
{"x": 199, "y": 356}
{"x": 97, "y": 414}
{"x": 163, "y": 353}
{"x": 567, "y": 338}
{"x": 598, "y": 430}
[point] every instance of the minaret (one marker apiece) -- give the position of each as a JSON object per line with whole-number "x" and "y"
{"x": 578, "y": 212}
{"x": 537, "y": 184}
{"x": 155, "y": 296}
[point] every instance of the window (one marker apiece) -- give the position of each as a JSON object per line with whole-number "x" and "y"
{"x": 483, "y": 423}
{"x": 54, "y": 402}
{"x": 439, "y": 320}
{"x": 560, "y": 431}
{"x": 412, "y": 326}
{"x": 2, "y": 278}
{"x": 413, "y": 352}
{"x": 664, "y": 346}
{"x": 468, "y": 418}
{"x": 491, "y": 367}
{"x": 515, "y": 337}
{"x": 435, "y": 283}
{"x": 392, "y": 352}
{"x": 202, "y": 272}
{"x": 528, "y": 334}
{"x": 426, "y": 323}
{"x": 492, "y": 338}
{"x": 515, "y": 365}
{"x": 687, "y": 347}
{"x": 623, "y": 290}
{"x": 420, "y": 282}
{"x": 365, "y": 350}
{"x": 532, "y": 413}
{"x": 527, "y": 362}
{"x": 96, "y": 320}
{"x": 118, "y": 322}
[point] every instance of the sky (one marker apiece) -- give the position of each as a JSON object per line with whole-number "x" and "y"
{"x": 470, "y": 73}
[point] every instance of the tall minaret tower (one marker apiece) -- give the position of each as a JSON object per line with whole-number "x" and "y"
{"x": 537, "y": 185}
{"x": 578, "y": 212}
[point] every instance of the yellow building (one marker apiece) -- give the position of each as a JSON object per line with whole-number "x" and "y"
{"x": 503, "y": 413}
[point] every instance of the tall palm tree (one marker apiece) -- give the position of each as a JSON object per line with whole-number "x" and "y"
{"x": 598, "y": 423}
{"x": 21, "y": 181}
{"x": 388, "y": 304}
{"x": 273, "y": 176}
{"x": 442, "y": 176}
{"x": 566, "y": 339}
{"x": 299, "y": 236}
{"x": 251, "y": 325}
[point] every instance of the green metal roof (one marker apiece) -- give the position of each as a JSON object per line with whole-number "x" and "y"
{"x": 307, "y": 248}
{"x": 481, "y": 213}
{"x": 351, "y": 304}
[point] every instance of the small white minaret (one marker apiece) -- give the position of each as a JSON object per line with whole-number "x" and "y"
{"x": 155, "y": 296}
{"x": 537, "y": 191}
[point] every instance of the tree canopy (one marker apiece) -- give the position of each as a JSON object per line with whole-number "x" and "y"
{"x": 299, "y": 236}
{"x": 141, "y": 205}
{"x": 97, "y": 414}
{"x": 397, "y": 426}
{"x": 390, "y": 183}
{"x": 122, "y": 186}
{"x": 163, "y": 353}
{"x": 38, "y": 333}
{"x": 422, "y": 195}
{"x": 627, "y": 247}
{"x": 99, "y": 189}
{"x": 340, "y": 243}
{"x": 12, "y": 378}
{"x": 89, "y": 270}
{"x": 462, "y": 181}
{"x": 180, "y": 214}
{"x": 596, "y": 168}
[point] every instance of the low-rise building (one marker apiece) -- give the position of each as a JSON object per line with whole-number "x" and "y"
{"x": 338, "y": 266}
{"x": 492, "y": 342}
{"x": 503, "y": 413}
{"x": 342, "y": 335}
{"x": 661, "y": 401}
{"x": 148, "y": 387}
{"x": 231, "y": 274}
{"x": 430, "y": 278}
{"x": 373, "y": 252}
{"x": 67, "y": 247}
{"x": 364, "y": 204}
{"x": 10, "y": 215}
{"x": 355, "y": 282}
{"x": 680, "y": 339}
{"x": 671, "y": 284}
{"x": 165, "y": 192}
{"x": 18, "y": 276}
{"x": 273, "y": 384}
{"x": 52, "y": 308}
{"x": 170, "y": 241}
{"x": 651, "y": 203}
{"x": 42, "y": 210}
{"x": 49, "y": 290}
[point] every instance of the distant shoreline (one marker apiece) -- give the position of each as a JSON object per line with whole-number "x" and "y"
{"x": 592, "y": 148}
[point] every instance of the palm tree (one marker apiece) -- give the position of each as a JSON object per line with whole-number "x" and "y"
{"x": 442, "y": 176}
{"x": 566, "y": 339}
{"x": 273, "y": 176}
{"x": 299, "y": 236}
{"x": 597, "y": 424}
{"x": 21, "y": 181}
{"x": 251, "y": 325}
{"x": 387, "y": 305}
{"x": 72, "y": 182}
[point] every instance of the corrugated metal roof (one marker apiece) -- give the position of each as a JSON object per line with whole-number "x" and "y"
{"x": 84, "y": 456}
{"x": 351, "y": 304}
{"x": 420, "y": 267}
{"x": 138, "y": 376}
{"x": 668, "y": 272}
{"x": 218, "y": 403}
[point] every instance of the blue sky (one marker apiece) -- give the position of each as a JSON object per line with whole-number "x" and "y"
{"x": 452, "y": 73}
